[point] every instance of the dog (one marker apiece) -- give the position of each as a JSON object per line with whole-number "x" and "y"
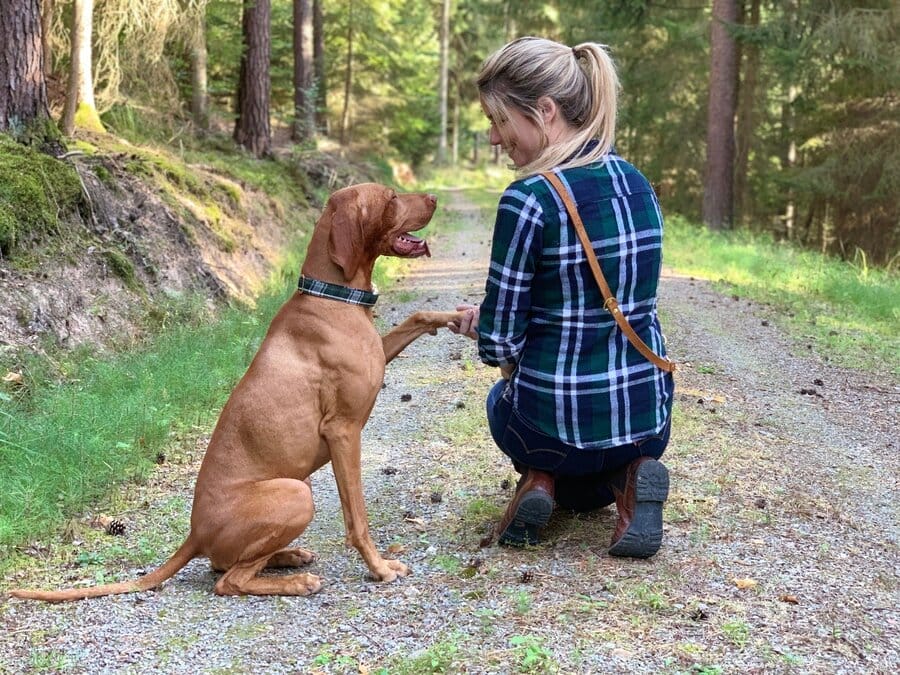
{"x": 302, "y": 403}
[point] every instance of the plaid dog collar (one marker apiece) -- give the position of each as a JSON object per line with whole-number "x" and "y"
{"x": 323, "y": 289}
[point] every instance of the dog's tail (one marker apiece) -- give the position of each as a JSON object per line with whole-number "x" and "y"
{"x": 186, "y": 552}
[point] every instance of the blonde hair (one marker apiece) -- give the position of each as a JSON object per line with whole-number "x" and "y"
{"x": 582, "y": 80}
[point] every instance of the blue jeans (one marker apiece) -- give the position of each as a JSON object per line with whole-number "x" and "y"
{"x": 583, "y": 477}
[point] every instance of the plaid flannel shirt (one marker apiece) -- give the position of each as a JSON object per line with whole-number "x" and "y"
{"x": 577, "y": 377}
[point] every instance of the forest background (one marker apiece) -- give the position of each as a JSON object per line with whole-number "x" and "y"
{"x": 161, "y": 166}
{"x": 773, "y": 116}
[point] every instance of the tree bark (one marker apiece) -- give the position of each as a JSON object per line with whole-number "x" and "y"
{"x": 304, "y": 126}
{"x": 46, "y": 25}
{"x": 442, "y": 85}
{"x": 252, "y": 130}
{"x": 321, "y": 113}
{"x": 199, "y": 82}
{"x": 745, "y": 119}
{"x": 23, "y": 89}
{"x": 80, "y": 110}
{"x": 348, "y": 77}
{"x": 718, "y": 192}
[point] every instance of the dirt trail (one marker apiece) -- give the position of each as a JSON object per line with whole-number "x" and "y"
{"x": 780, "y": 551}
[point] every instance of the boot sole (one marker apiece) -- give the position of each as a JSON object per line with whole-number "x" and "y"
{"x": 644, "y": 535}
{"x": 532, "y": 514}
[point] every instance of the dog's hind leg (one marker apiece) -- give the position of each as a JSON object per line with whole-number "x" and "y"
{"x": 291, "y": 557}
{"x": 242, "y": 579}
{"x": 251, "y": 531}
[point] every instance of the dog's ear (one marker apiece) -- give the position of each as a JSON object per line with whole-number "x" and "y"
{"x": 347, "y": 240}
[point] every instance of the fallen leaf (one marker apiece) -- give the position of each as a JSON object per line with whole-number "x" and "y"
{"x": 792, "y": 599}
{"x": 620, "y": 653}
{"x": 397, "y": 548}
{"x": 417, "y": 523}
{"x": 745, "y": 583}
{"x": 13, "y": 378}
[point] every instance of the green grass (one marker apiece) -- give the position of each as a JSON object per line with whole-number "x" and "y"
{"x": 66, "y": 443}
{"x": 850, "y": 310}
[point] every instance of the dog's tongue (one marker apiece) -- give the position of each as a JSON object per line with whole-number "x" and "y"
{"x": 408, "y": 244}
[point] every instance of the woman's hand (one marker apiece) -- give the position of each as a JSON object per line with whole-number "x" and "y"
{"x": 466, "y": 323}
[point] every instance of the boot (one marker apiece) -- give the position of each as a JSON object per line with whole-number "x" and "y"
{"x": 639, "y": 501}
{"x": 529, "y": 510}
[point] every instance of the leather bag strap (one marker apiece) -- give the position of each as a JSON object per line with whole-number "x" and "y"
{"x": 609, "y": 300}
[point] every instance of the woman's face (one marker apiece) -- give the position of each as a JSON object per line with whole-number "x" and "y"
{"x": 524, "y": 140}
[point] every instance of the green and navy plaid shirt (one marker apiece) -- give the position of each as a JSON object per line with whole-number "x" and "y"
{"x": 577, "y": 377}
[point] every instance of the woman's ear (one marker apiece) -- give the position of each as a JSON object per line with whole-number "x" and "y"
{"x": 548, "y": 109}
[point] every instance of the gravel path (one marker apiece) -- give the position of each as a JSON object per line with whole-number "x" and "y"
{"x": 780, "y": 552}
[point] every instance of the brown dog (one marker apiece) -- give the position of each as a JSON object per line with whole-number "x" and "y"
{"x": 303, "y": 401}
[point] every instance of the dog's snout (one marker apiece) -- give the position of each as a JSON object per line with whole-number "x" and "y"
{"x": 431, "y": 199}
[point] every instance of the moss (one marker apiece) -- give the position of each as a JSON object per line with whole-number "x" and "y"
{"x": 163, "y": 168}
{"x": 35, "y": 191}
{"x": 105, "y": 176}
{"x": 87, "y": 118}
{"x": 121, "y": 266}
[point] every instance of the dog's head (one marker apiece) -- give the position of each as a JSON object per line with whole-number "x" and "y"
{"x": 369, "y": 220}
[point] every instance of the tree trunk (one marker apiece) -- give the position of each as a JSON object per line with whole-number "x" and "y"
{"x": 80, "y": 110}
{"x": 199, "y": 85}
{"x": 718, "y": 189}
{"x": 789, "y": 158}
{"x": 745, "y": 120}
{"x": 46, "y": 25}
{"x": 454, "y": 146}
{"x": 304, "y": 127}
{"x": 442, "y": 85}
{"x": 321, "y": 112}
{"x": 348, "y": 77}
{"x": 23, "y": 89}
{"x": 251, "y": 129}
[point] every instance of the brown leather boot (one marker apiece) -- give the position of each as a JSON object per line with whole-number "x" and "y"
{"x": 639, "y": 501}
{"x": 529, "y": 510}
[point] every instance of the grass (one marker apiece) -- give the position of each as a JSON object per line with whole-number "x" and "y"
{"x": 66, "y": 443}
{"x": 849, "y": 310}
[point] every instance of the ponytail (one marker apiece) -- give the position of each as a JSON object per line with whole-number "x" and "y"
{"x": 583, "y": 82}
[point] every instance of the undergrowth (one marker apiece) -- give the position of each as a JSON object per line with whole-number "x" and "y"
{"x": 849, "y": 309}
{"x": 68, "y": 442}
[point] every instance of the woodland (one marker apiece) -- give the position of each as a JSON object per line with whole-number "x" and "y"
{"x": 162, "y": 165}
{"x": 779, "y": 117}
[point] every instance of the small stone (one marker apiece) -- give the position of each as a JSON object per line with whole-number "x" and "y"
{"x": 406, "y": 398}
{"x": 436, "y": 498}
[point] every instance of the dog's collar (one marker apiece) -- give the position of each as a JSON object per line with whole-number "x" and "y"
{"x": 323, "y": 289}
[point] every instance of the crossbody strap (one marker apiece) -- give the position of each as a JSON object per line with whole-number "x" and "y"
{"x": 609, "y": 300}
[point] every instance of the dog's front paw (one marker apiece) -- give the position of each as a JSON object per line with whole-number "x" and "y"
{"x": 389, "y": 570}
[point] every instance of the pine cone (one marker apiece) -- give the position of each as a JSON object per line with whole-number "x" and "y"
{"x": 115, "y": 528}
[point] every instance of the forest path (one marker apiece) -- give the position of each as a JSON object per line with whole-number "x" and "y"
{"x": 780, "y": 550}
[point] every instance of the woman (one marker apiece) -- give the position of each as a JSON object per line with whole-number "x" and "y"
{"x": 581, "y": 413}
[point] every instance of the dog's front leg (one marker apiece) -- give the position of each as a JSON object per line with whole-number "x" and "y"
{"x": 412, "y": 328}
{"x": 345, "y": 447}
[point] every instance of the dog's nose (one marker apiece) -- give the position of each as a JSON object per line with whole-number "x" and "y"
{"x": 432, "y": 199}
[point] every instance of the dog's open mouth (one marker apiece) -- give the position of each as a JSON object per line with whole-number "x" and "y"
{"x": 409, "y": 246}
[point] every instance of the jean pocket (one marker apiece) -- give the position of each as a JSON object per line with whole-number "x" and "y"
{"x": 652, "y": 446}
{"x": 532, "y": 448}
